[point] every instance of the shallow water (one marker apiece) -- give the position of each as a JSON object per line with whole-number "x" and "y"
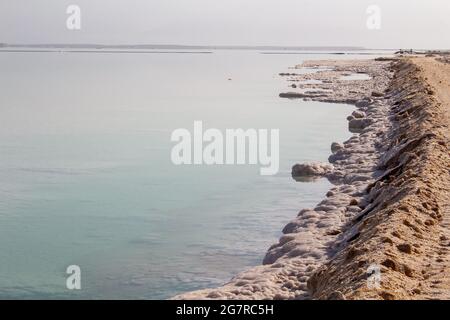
{"x": 86, "y": 176}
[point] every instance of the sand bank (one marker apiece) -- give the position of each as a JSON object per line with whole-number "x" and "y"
{"x": 405, "y": 228}
{"x": 387, "y": 208}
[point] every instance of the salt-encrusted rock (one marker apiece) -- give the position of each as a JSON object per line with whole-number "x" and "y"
{"x": 355, "y": 125}
{"x": 294, "y": 95}
{"x": 358, "y": 114}
{"x": 313, "y": 237}
{"x": 335, "y": 147}
{"x": 353, "y": 209}
{"x": 290, "y": 227}
{"x": 377, "y": 94}
{"x": 304, "y": 212}
{"x": 311, "y": 169}
{"x": 364, "y": 103}
{"x": 336, "y": 295}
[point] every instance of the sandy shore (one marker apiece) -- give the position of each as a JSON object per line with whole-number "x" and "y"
{"x": 390, "y": 204}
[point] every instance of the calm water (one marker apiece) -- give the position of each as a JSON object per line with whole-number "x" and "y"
{"x": 86, "y": 176}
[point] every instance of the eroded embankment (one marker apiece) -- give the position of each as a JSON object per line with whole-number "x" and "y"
{"x": 405, "y": 227}
{"x": 387, "y": 208}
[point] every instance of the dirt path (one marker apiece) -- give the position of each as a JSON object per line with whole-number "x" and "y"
{"x": 405, "y": 229}
{"x": 437, "y": 74}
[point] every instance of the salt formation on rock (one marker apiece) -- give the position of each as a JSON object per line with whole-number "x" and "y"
{"x": 317, "y": 234}
{"x": 390, "y": 207}
{"x": 311, "y": 169}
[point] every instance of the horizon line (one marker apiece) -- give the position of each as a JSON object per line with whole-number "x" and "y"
{"x": 221, "y": 46}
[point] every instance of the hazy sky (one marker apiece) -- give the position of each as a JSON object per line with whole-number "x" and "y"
{"x": 404, "y": 23}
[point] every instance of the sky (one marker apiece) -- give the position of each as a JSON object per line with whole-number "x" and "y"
{"x": 402, "y": 23}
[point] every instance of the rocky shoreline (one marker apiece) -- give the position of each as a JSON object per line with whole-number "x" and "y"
{"x": 327, "y": 252}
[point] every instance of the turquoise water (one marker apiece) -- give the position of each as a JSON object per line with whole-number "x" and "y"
{"x": 86, "y": 176}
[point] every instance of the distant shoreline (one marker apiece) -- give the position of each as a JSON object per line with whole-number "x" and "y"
{"x": 131, "y": 50}
{"x": 101, "y": 51}
{"x": 184, "y": 47}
